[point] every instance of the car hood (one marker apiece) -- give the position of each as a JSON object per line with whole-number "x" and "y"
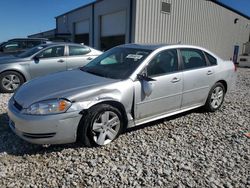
{"x": 11, "y": 59}
{"x": 59, "y": 85}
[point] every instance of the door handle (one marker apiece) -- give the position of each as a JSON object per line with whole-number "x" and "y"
{"x": 174, "y": 80}
{"x": 60, "y": 61}
{"x": 89, "y": 58}
{"x": 209, "y": 72}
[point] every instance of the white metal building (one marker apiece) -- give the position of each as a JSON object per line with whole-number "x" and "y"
{"x": 106, "y": 23}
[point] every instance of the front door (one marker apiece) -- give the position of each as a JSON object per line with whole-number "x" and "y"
{"x": 50, "y": 60}
{"x": 167, "y": 87}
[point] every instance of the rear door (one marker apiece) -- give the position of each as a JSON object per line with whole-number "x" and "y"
{"x": 78, "y": 56}
{"x": 50, "y": 60}
{"x": 198, "y": 77}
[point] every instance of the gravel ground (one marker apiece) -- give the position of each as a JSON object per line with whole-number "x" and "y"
{"x": 194, "y": 149}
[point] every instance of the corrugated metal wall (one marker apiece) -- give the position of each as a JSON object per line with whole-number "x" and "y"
{"x": 196, "y": 22}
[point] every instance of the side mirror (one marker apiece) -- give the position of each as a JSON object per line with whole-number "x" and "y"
{"x": 36, "y": 59}
{"x": 147, "y": 84}
{"x": 144, "y": 77}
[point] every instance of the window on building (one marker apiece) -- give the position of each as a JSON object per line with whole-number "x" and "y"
{"x": 192, "y": 58}
{"x": 163, "y": 63}
{"x": 212, "y": 60}
{"x": 78, "y": 50}
{"x": 165, "y": 7}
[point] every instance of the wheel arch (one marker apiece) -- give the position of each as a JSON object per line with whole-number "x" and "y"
{"x": 224, "y": 83}
{"x": 113, "y": 103}
{"x": 17, "y": 71}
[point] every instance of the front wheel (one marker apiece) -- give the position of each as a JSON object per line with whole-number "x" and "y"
{"x": 100, "y": 126}
{"x": 10, "y": 81}
{"x": 215, "y": 97}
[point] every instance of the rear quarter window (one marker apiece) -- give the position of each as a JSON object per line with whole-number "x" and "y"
{"x": 212, "y": 60}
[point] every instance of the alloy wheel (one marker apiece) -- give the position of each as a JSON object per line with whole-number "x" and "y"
{"x": 11, "y": 82}
{"x": 217, "y": 97}
{"x": 106, "y": 127}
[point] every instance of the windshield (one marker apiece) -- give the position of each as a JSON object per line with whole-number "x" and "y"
{"x": 32, "y": 51}
{"x": 117, "y": 63}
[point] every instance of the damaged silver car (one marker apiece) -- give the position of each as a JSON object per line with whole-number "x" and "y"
{"x": 126, "y": 86}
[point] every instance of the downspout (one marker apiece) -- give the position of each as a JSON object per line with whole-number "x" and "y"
{"x": 93, "y": 24}
{"x": 130, "y": 20}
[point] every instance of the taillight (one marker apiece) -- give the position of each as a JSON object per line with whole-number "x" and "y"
{"x": 235, "y": 67}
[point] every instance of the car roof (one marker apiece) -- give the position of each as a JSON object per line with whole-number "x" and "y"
{"x": 62, "y": 43}
{"x": 158, "y": 46}
{"x": 154, "y": 47}
{"x": 144, "y": 46}
{"x": 44, "y": 39}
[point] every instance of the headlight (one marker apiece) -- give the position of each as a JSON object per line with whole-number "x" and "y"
{"x": 55, "y": 106}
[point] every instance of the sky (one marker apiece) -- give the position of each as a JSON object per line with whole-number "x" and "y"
{"x": 19, "y": 18}
{"x": 240, "y": 5}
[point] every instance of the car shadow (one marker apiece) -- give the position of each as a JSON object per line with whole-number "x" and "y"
{"x": 13, "y": 145}
{"x": 153, "y": 123}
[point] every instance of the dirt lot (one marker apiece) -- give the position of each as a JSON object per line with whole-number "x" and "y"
{"x": 194, "y": 149}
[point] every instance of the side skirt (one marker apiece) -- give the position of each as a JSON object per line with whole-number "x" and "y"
{"x": 133, "y": 123}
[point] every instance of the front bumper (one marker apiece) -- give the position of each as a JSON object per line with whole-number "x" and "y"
{"x": 45, "y": 129}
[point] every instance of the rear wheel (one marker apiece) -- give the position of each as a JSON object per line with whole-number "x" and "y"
{"x": 100, "y": 126}
{"x": 10, "y": 81}
{"x": 215, "y": 97}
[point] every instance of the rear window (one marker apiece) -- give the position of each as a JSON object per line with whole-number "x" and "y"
{"x": 212, "y": 60}
{"x": 78, "y": 50}
{"x": 192, "y": 58}
{"x": 31, "y": 44}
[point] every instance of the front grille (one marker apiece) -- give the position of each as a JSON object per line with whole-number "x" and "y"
{"x": 37, "y": 136}
{"x": 18, "y": 106}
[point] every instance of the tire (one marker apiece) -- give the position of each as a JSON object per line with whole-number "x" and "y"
{"x": 215, "y": 97}
{"x": 94, "y": 128}
{"x": 10, "y": 81}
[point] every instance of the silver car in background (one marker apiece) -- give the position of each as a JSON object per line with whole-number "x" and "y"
{"x": 42, "y": 60}
{"x": 126, "y": 86}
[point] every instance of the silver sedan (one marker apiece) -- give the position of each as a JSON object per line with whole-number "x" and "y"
{"x": 126, "y": 86}
{"x": 42, "y": 60}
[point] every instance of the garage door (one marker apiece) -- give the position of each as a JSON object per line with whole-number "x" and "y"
{"x": 82, "y": 32}
{"x": 113, "y": 29}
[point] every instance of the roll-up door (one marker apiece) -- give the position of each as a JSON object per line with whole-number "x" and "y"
{"x": 82, "y": 32}
{"x": 113, "y": 29}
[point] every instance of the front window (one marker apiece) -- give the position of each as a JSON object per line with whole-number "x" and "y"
{"x": 165, "y": 62}
{"x": 117, "y": 63}
{"x": 55, "y": 51}
{"x": 31, "y": 51}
